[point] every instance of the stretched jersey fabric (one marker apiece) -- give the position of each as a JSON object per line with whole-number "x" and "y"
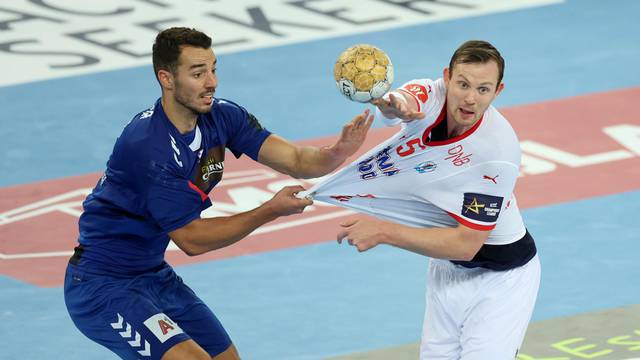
{"x": 157, "y": 181}
{"x": 416, "y": 180}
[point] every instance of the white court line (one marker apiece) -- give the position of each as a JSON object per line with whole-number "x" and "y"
{"x": 173, "y": 247}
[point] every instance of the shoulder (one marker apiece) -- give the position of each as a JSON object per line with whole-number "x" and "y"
{"x": 501, "y": 141}
{"x": 499, "y": 125}
{"x": 421, "y": 89}
{"x": 233, "y": 117}
{"x": 227, "y": 114}
{"x": 429, "y": 94}
{"x": 425, "y": 87}
{"x": 146, "y": 138}
{"x": 228, "y": 109}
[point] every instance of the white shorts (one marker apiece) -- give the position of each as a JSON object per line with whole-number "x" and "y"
{"x": 477, "y": 314}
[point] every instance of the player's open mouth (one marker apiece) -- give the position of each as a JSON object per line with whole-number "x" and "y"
{"x": 466, "y": 113}
{"x": 208, "y": 97}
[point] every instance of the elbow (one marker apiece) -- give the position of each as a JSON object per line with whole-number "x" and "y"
{"x": 469, "y": 242}
{"x": 467, "y": 255}
{"x": 192, "y": 252}
{"x": 291, "y": 171}
{"x": 297, "y": 175}
{"x": 188, "y": 248}
{"x": 469, "y": 250}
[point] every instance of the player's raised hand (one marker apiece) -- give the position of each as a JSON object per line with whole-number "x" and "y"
{"x": 285, "y": 202}
{"x": 395, "y": 105}
{"x": 353, "y": 134}
{"x": 362, "y": 233}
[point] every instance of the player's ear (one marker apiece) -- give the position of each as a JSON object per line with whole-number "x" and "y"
{"x": 446, "y": 76}
{"x": 499, "y": 89}
{"x": 166, "y": 79}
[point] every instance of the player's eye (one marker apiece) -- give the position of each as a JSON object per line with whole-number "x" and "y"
{"x": 214, "y": 71}
{"x": 463, "y": 84}
{"x": 484, "y": 90}
{"x": 197, "y": 75}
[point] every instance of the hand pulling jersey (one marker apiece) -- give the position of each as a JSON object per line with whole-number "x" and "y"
{"x": 157, "y": 181}
{"x": 419, "y": 181}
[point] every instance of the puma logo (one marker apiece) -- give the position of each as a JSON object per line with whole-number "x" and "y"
{"x": 487, "y": 177}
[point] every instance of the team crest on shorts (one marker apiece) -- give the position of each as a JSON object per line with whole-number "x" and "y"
{"x": 162, "y": 327}
{"x": 481, "y": 207}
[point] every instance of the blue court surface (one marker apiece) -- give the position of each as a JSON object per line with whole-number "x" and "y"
{"x": 321, "y": 300}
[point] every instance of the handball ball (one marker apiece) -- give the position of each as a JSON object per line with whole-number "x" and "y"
{"x": 363, "y": 73}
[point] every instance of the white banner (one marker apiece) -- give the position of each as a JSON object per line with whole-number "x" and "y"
{"x": 45, "y": 39}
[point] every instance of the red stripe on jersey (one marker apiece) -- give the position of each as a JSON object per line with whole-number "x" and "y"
{"x": 427, "y": 132}
{"x": 418, "y": 91}
{"x": 203, "y": 196}
{"x": 469, "y": 224}
{"x": 414, "y": 99}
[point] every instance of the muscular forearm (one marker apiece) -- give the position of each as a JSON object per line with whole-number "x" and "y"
{"x": 317, "y": 161}
{"x": 203, "y": 235}
{"x": 442, "y": 243}
{"x": 298, "y": 161}
{"x": 308, "y": 161}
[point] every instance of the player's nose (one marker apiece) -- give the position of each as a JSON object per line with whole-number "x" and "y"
{"x": 470, "y": 99}
{"x": 211, "y": 82}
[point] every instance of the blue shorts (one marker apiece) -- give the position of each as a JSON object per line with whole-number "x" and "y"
{"x": 141, "y": 317}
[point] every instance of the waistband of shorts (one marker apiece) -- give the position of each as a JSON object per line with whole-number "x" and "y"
{"x": 503, "y": 257}
{"x": 88, "y": 266}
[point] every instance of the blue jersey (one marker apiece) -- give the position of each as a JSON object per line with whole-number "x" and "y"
{"x": 157, "y": 180}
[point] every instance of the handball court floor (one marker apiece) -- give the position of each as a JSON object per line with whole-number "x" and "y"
{"x": 289, "y": 291}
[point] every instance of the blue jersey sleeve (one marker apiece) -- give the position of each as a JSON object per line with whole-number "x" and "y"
{"x": 172, "y": 200}
{"x": 245, "y": 134}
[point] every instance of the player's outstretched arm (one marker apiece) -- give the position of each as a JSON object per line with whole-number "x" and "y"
{"x": 203, "y": 235}
{"x": 309, "y": 161}
{"x": 398, "y": 104}
{"x": 459, "y": 243}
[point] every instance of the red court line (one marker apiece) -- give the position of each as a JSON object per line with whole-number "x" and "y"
{"x": 573, "y": 125}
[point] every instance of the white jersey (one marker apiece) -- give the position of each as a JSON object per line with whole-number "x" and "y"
{"x": 415, "y": 181}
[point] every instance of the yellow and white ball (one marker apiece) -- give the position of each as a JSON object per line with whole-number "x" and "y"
{"x": 363, "y": 72}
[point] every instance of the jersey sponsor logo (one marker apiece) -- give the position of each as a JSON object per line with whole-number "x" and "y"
{"x": 492, "y": 179}
{"x": 457, "y": 156}
{"x": 419, "y": 91}
{"x": 162, "y": 327}
{"x": 210, "y": 169}
{"x": 380, "y": 163}
{"x": 481, "y": 207}
{"x": 425, "y": 167}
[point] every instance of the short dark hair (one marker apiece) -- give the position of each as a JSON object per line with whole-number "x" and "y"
{"x": 477, "y": 51}
{"x": 169, "y": 43}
